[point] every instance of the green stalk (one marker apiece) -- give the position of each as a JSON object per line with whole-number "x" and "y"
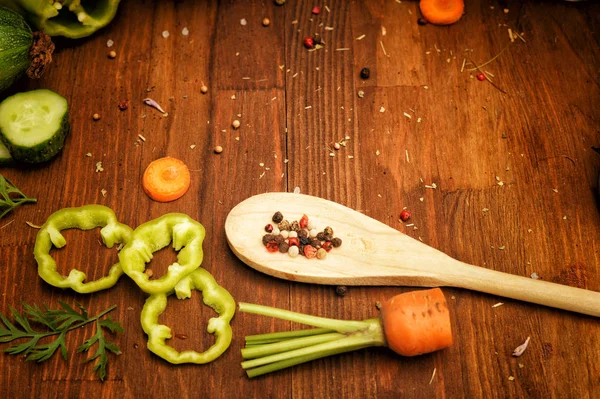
{"x": 281, "y": 350}
{"x": 277, "y": 347}
{"x": 343, "y": 326}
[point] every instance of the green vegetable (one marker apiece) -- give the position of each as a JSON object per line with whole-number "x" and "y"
{"x": 57, "y": 323}
{"x": 84, "y": 218}
{"x": 214, "y": 296}
{"x": 21, "y": 50}
{"x": 5, "y": 157}
{"x": 34, "y": 125}
{"x": 277, "y": 351}
{"x": 187, "y": 236}
{"x": 11, "y": 197}
{"x": 69, "y": 18}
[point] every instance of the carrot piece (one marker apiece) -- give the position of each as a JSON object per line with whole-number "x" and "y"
{"x": 442, "y": 12}
{"x": 417, "y": 322}
{"x": 166, "y": 179}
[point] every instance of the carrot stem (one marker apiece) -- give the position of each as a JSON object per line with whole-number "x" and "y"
{"x": 281, "y": 336}
{"x": 287, "y": 345}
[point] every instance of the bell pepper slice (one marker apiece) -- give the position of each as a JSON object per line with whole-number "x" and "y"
{"x": 187, "y": 236}
{"x": 85, "y": 218}
{"x": 214, "y": 296}
{"x": 70, "y": 18}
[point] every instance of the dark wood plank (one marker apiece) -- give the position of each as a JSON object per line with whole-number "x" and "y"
{"x": 423, "y": 119}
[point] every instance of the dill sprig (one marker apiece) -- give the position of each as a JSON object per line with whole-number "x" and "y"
{"x": 57, "y": 323}
{"x": 11, "y": 196}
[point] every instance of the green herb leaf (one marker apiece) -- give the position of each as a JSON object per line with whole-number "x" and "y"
{"x": 58, "y": 322}
{"x": 11, "y": 197}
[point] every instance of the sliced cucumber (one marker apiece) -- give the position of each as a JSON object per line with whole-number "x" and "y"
{"x": 34, "y": 125}
{"x": 5, "y": 158}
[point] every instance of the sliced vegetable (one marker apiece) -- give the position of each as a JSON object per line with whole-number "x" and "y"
{"x": 187, "y": 236}
{"x": 166, "y": 179}
{"x": 58, "y": 323}
{"x": 84, "y": 218}
{"x": 442, "y": 12}
{"x": 11, "y": 197}
{"x": 214, "y": 296}
{"x": 34, "y": 125}
{"x": 5, "y": 157}
{"x": 69, "y": 18}
{"x": 410, "y": 324}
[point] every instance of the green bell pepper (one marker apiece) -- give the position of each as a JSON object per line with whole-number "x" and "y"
{"x": 187, "y": 236}
{"x": 84, "y": 218}
{"x": 214, "y": 296}
{"x": 69, "y": 18}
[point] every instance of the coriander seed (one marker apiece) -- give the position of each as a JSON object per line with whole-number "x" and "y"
{"x": 266, "y": 22}
{"x": 236, "y": 124}
{"x": 337, "y": 146}
{"x": 96, "y": 117}
{"x": 204, "y": 89}
{"x": 112, "y": 54}
{"x": 218, "y": 149}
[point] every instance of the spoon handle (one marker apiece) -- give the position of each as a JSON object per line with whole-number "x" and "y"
{"x": 525, "y": 289}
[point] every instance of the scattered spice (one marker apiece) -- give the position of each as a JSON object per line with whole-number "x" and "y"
{"x": 365, "y": 73}
{"x": 336, "y": 146}
{"x": 34, "y": 226}
{"x": 99, "y": 167}
{"x": 218, "y": 149}
{"x": 480, "y": 77}
{"x": 280, "y": 2}
{"x": 316, "y": 10}
{"x": 243, "y": 22}
{"x": 123, "y": 105}
{"x": 404, "y": 215}
{"x": 109, "y": 43}
{"x": 96, "y": 117}
{"x": 165, "y": 33}
{"x": 112, "y": 54}
{"x": 185, "y": 31}
{"x": 203, "y": 89}
{"x": 266, "y": 22}
{"x": 308, "y": 42}
{"x": 236, "y": 124}
{"x": 521, "y": 348}
{"x": 361, "y": 94}
{"x": 422, "y": 21}
{"x": 341, "y": 290}
{"x": 150, "y": 102}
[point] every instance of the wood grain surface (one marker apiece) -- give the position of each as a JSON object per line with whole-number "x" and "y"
{"x": 501, "y": 175}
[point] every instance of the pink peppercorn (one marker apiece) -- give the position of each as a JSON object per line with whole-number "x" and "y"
{"x": 327, "y": 246}
{"x": 303, "y": 221}
{"x": 293, "y": 241}
{"x": 310, "y": 251}
{"x": 273, "y": 246}
{"x": 269, "y": 228}
{"x": 404, "y": 215}
{"x": 309, "y": 42}
{"x": 480, "y": 77}
{"x": 316, "y": 10}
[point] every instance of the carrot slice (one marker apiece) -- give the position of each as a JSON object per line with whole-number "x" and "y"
{"x": 442, "y": 12}
{"x": 417, "y": 322}
{"x": 166, "y": 179}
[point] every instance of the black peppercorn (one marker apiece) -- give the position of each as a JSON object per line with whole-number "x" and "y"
{"x": 365, "y": 73}
{"x": 277, "y": 217}
{"x": 304, "y": 240}
{"x": 303, "y": 233}
{"x": 336, "y": 242}
{"x": 278, "y": 238}
{"x": 321, "y": 236}
{"x": 328, "y": 231}
{"x": 315, "y": 243}
{"x": 283, "y": 247}
{"x": 341, "y": 290}
{"x": 267, "y": 238}
{"x": 422, "y": 21}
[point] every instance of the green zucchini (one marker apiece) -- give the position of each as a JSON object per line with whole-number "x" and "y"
{"x": 34, "y": 125}
{"x": 21, "y": 50}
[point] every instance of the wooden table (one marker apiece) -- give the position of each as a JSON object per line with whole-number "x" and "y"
{"x": 501, "y": 175}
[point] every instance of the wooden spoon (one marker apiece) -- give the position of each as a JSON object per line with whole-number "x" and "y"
{"x": 373, "y": 253}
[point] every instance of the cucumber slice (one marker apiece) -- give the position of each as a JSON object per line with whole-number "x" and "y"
{"x": 34, "y": 125}
{"x": 5, "y": 158}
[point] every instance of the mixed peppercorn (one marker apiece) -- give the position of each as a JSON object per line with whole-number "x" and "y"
{"x": 299, "y": 237}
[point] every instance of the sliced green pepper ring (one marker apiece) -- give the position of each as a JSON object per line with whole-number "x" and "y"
{"x": 214, "y": 296}
{"x": 187, "y": 236}
{"x": 84, "y": 218}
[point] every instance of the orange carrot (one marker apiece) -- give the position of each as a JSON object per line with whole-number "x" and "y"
{"x": 166, "y": 179}
{"x": 410, "y": 324}
{"x": 417, "y": 322}
{"x": 442, "y": 12}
